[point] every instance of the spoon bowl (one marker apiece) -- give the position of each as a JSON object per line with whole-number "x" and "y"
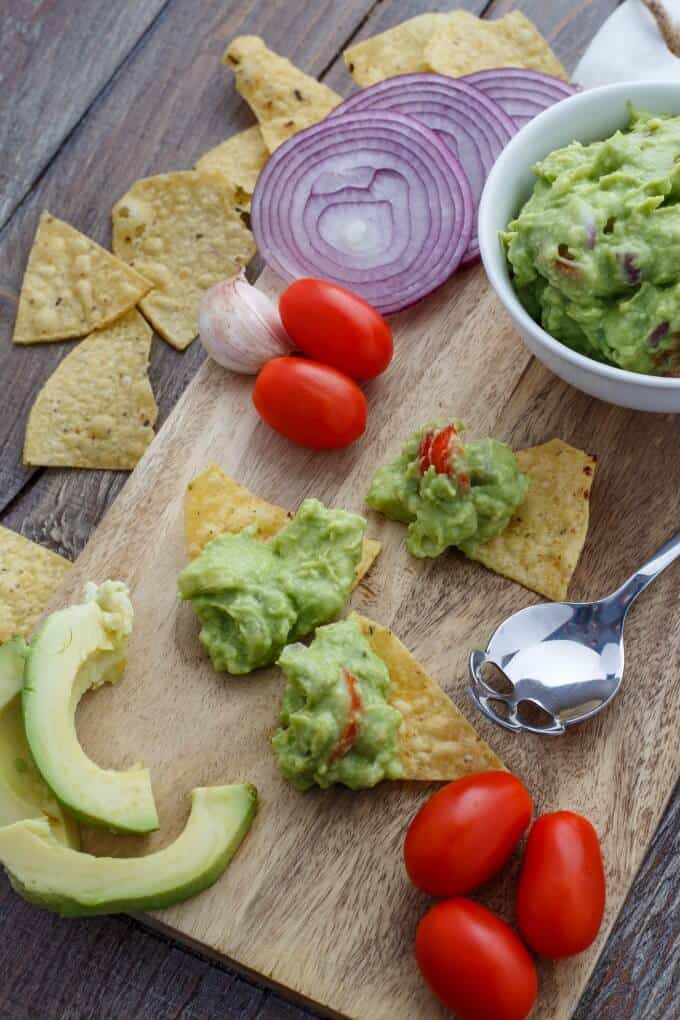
{"x": 556, "y": 664}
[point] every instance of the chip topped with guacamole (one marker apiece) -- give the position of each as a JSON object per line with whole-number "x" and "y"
{"x": 359, "y": 708}
{"x": 253, "y": 597}
{"x": 594, "y": 253}
{"x": 337, "y": 725}
{"x": 449, "y": 492}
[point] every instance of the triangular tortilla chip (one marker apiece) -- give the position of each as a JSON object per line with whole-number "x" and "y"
{"x": 453, "y": 43}
{"x": 184, "y": 231}
{"x": 72, "y": 286}
{"x": 467, "y": 43}
{"x": 283, "y": 98}
{"x": 240, "y": 159}
{"x": 436, "y": 740}
{"x": 215, "y": 503}
{"x": 29, "y": 577}
{"x": 97, "y": 409}
{"x": 542, "y": 544}
{"x": 399, "y": 50}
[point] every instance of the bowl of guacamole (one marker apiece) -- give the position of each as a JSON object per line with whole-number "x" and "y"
{"x": 579, "y": 229}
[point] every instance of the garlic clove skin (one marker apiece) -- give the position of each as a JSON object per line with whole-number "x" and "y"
{"x": 240, "y": 326}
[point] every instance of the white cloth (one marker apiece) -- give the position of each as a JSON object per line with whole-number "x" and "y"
{"x": 629, "y": 47}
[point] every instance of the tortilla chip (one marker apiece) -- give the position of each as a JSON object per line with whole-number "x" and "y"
{"x": 215, "y": 503}
{"x": 456, "y": 43}
{"x": 399, "y": 50}
{"x": 436, "y": 740}
{"x": 240, "y": 159}
{"x": 29, "y": 577}
{"x": 542, "y": 544}
{"x": 97, "y": 409}
{"x": 466, "y": 44}
{"x": 72, "y": 286}
{"x": 283, "y": 98}
{"x": 184, "y": 232}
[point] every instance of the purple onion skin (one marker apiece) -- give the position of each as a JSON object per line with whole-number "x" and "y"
{"x": 658, "y": 334}
{"x": 631, "y": 273}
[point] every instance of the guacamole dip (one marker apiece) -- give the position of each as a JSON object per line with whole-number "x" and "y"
{"x": 449, "y": 492}
{"x": 336, "y": 723}
{"x": 595, "y": 252}
{"x": 252, "y": 597}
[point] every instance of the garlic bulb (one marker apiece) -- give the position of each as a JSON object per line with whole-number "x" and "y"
{"x": 240, "y": 327}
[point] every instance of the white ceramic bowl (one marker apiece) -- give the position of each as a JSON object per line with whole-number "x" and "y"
{"x": 585, "y": 117}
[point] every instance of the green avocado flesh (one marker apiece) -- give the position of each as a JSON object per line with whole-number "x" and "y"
{"x": 595, "y": 252}
{"x": 77, "y": 649}
{"x": 464, "y": 506}
{"x": 253, "y": 597}
{"x": 336, "y": 723}
{"x": 78, "y": 885}
{"x": 23, "y": 794}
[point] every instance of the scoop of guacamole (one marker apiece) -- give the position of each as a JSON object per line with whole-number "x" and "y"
{"x": 253, "y": 597}
{"x": 448, "y": 491}
{"x": 336, "y": 723}
{"x": 595, "y": 252}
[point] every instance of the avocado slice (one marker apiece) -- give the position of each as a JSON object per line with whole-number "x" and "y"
{"x": 78, "y": 648}
{"x": 23, "y": 794}
{"x": 79, "y": 885}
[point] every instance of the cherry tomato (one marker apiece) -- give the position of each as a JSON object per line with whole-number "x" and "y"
{"x": 439, "y": 449}
{"x": 312, "y": 404}
{"x": 466, "y": 832}
{"x": 336, "y": 326}
{"x": 474, "y": 963}
{"x": 561, "y": 891}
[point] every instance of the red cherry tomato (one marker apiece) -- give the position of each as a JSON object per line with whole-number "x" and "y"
{"x": 336, "y": 326}
{"x": 439, "y": 449}
{"x": 474, "y": 963}
{"x": 312, "y": 404}
{"x": 561, "y": 892}
{"x": 466, "y": 832}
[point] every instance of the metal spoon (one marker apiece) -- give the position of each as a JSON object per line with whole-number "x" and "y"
{"x": 559, "y": 663}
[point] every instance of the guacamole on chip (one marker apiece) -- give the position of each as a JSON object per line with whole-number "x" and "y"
{"x": 337, "y": 725}
{"x": 594, "y": 253}
{"x": 360, "y": 708}
{"x": 253, "y": 597}
{"x": 448, "y": 491}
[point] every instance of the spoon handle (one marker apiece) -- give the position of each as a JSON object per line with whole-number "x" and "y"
{"x": 630, "y": 589}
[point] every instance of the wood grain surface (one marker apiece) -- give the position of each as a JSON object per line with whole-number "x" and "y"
{"x": 172, "y": 79}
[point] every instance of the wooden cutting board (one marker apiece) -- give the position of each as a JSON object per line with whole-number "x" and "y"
{"x": 316, "y": 900}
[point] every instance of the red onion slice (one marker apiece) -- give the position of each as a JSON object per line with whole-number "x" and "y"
{"x": 521, "y": 93}
{"x": 473, "y": 126}
{"x": 372, "y": 201}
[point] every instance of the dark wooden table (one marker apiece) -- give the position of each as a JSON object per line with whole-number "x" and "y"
{"x": 96, "y": 93}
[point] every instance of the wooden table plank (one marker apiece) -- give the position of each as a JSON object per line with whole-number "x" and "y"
{"x": 55, "y": 58}
{"x": 173, "y": 102}
{"x": 618, "y": 994}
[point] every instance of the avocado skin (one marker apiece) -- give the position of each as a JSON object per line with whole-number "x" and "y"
{"x": 70, "y": 905}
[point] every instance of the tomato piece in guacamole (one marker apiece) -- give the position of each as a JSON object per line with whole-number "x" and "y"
{"x": 337, "y": 725}
{"x": 449, "y": 492}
